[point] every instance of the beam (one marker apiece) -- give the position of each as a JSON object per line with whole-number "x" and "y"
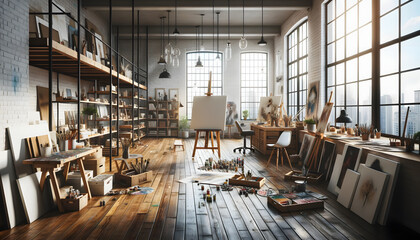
{"x": 154, "y": 5}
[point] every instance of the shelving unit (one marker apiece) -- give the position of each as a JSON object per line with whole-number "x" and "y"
{"x": 163, "y": 118}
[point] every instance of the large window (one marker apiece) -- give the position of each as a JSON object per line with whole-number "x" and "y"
{"x": 349, "y": 58}
{"x": 297, "y": 73}
{"x": 393, "y": 62}
{"x": 254, "y": 77}
{"x": 399, "y": 66}
{"x": 197, "y": 77}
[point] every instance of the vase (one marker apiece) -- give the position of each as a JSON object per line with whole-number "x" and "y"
{"x": 125, "y": 152}
{"x": 311, "y": 127}
{"x": 365, "y": 136}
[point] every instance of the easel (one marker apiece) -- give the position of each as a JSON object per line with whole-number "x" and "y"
{"x": 313, "y": 158}
{"x": 209, "y": 132}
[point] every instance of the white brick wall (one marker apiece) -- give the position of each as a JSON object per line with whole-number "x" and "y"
{"x": 18, "y": 80}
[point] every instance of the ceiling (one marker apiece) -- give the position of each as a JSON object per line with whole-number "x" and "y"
{"x": 188, "y": 14}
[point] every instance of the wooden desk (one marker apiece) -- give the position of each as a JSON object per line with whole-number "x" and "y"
{"x": 57, "y": 160}
{"x": 268, "y": 135}
{"x": 404, "y": 207}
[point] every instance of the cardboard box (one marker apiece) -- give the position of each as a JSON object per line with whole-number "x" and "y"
{"x": 71, "y": 205}
{"x": 96, "y": 165}
{"x": 75, "y": 179}
{"x": 129, "y": 177}
{"x": 101, "y": 184}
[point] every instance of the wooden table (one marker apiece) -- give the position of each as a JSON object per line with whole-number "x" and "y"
{"x": 57, "y": 160}
{"x": 265, "y": 134}
{"x": 124, "y": 164}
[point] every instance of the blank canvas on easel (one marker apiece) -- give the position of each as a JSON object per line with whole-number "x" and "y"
{"x": 209, "y": 113}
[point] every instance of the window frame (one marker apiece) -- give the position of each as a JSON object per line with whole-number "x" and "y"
{"x": 297, "y": 60}
{"x": 240, "y": 79}
{"x": 187, "y": 77}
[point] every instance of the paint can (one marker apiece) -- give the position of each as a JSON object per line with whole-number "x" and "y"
{"x": 300, "y": 186}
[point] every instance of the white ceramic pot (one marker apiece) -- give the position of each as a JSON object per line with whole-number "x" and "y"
{"x": 185, "y": 134}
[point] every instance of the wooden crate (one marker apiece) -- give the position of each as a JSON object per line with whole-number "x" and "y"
{"x": 256, "y": 182}
{"x": 130, "y": 178}
{"x": 97, "y": 165}
{"x": 294, "y": 207}
{"x": 71, "y": 205}
{"x": 312, "y": 177}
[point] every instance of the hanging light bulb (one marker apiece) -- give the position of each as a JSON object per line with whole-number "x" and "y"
{"x": 228, "y": 49}
{"x": 202, "y": 30}
{"x": 168, "y": 48}
{"x": 161, "y": 59}
{"x": 243, "y": 43}
{"x": 199, "y": 63}
{"x": 218, "y": 59}
{"x": 262, "y": 42}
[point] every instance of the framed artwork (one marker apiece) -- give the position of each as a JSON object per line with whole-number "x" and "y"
{"x": 349, "y": 186}
{"x": 43, "y": 30}
{"x": 159, "y": 94}
{"x": 68, "y": 93}
{"x": 369, "y": 193}
{"x": 59, "y": 22}
{"x": 99, "y": 46}
{"x": 173, "y": 94}
{"x": 327, "y": 154}
{"x": 325, "y": 115}
{"x": 267, "y": 105}
{"x": 72, "y": 38}
{"x": 231, "y": 113}
{"x": 313, "y": 101}
{"x": 306, "y": 148}
{"x": 392, "y": 168}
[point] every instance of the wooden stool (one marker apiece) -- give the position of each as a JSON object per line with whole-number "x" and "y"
{"x": 124, "y": 164}
{"x": 178, "y": 143}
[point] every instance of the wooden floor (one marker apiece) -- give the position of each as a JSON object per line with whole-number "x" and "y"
{"x": 172, "y": 210}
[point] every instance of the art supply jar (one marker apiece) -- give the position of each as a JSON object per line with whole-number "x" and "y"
{"x": 300, "y": 186}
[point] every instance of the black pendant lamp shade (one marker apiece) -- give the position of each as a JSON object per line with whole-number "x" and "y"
{"x": 262, "y": 42}
{"x": 344, "y": 117}
{"x": 165, "y": 74}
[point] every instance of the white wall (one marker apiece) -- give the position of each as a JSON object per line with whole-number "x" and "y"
{"x": 231, "y": 83}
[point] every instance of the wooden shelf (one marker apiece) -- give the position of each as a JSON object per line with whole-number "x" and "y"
{"x": 102, "y": 92}
{"x": 65, "y": 62}
{"x": 97, "y": 135}
{"x": 86, "y": 102}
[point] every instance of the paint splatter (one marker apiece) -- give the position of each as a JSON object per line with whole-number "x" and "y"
{"x": 15, "y": 80}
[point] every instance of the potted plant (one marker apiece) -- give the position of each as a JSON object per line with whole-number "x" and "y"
{"x": 184, "y": 126}
{"x": 310, "y": 124}
{"x": 245, "y": 114}
{"x": 89, "y": 111}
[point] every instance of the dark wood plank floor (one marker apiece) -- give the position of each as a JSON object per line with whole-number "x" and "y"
{"x": 173, "y": 211}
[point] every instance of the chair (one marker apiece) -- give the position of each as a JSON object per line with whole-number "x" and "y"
{"x": 244, "y": 133}
{"x": 281, "y": 144}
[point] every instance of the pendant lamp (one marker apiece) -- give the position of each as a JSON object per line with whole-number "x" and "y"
{"x": 161, "y": 59}
{"x": 199, "y": 63}
{"x": 243, "y": 43}
{"x": 165, "y": 73}
{"x": 262, "y": 42}
{"x": 176, "y": 32}
{"x": 202, "y": 31}
{"x": 218, "y": 54}
{"x": 228, "y": 49}
{"x": 168, "y": 48}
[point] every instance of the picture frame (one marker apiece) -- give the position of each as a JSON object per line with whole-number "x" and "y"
{"x": 89, "y": 55}
{"x": 159, "y": 94}
{"x": 173, "y": 94}
{"x": 42, "y": 27}
{"x": 68, "y": 93}
{"x": 72, "y": 37}
{"x": 99, "y": 46}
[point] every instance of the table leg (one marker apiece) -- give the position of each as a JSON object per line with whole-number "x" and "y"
{"x": 195, "y": 144}
{"x": 66, "y": 170}
{"x": 218, "y": 142}
{"x": 206, "y": 141}
{"x": 85, "y": 181}
{"x": 119, "y": 170}
{"x": 212, "y": 142}
{"x": 43, "y": 178}
{"x": 56, "y": 189}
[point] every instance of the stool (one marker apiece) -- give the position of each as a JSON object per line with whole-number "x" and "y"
{"x": 178, "y": 143}
{"x": 124, "y": 164}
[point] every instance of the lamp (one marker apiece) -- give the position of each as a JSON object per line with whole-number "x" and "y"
{"x": 199, "y": 63}
{"x": 218, "y": 55}
{"x": 343, "y": 118}
{"x": 228, "y": 49}
{"x": 161, "y": 59}
{"x": 168, "y": 49}
{"x": 243, "y": 43}
{"x": 202, "y": 31}
{"x": 262, "y": 42}
{"x": 164, "y": 73}
{"x": 176, "y": 32}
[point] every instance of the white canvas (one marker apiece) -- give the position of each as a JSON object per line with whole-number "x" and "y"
{"x": 351, "y": 159}
{"x": 99, "y": 47}
{"x": 332, "y": 185}
{"x": 10, "y": 194}
{"x": 392, "y": 168}
{"x": 17, "y": 135}
{"x": 209, "y": 112}
{"x": 264, "y": 107}
{"x": 345, "y": 197}
{"x": 369, "y": 193}
{"x": 35, "y": 202}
